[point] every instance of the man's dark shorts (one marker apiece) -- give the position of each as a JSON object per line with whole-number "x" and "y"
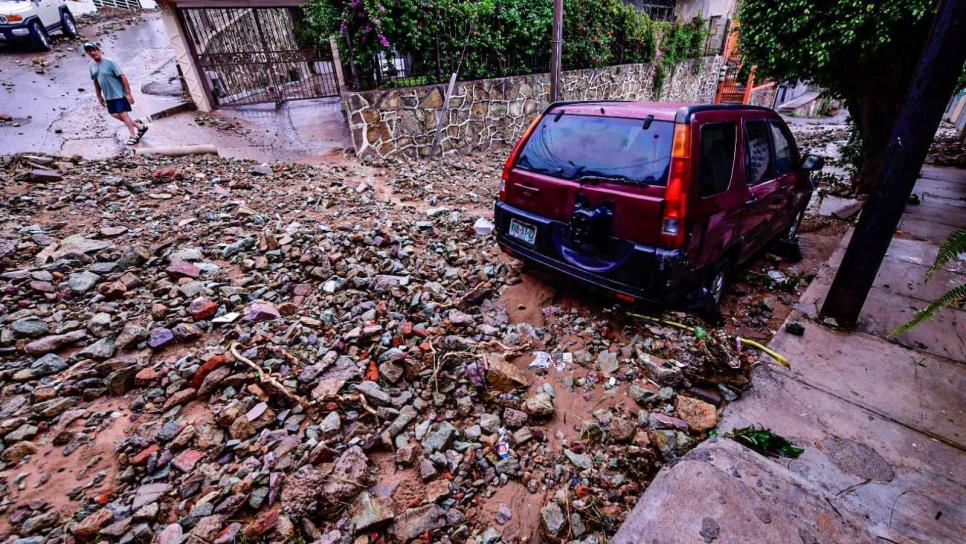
{"x": 118, "y": 105}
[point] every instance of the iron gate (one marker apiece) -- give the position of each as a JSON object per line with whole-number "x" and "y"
{"x": 252, "y": 56}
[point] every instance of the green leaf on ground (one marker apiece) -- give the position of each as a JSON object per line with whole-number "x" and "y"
{"x": 766, "y": 442}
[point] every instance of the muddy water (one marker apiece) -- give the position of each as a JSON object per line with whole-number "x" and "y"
{"x": 51, "y": 475}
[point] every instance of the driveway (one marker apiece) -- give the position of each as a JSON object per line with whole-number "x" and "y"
{"x": 50, "y": 97}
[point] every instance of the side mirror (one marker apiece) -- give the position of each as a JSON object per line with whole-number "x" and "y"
{"x": 812, "y": 163}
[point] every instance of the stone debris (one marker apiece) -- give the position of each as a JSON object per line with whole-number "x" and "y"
{"x": 273, "y": 354}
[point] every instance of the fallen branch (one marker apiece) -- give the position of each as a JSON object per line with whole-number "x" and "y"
{"x": 267, "y": 379}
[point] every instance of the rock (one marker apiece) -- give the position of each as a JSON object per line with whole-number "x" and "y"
{"x": 100, "y": 350}
{"x": 48, "y": 364}
{"x": 439, "y": 439}
{"x": 42, "y": 175}
{"x": 482, "y": 226}
{"x": 552, "y": 520}
{"x": 132, "y": 334}
{"x": 265, "y": 521}
{"x": 149, "y": 493}
{"x": 90, "y": 525}
{"x": 301, "y": 492}
{"x": 415, "y": 522}
{"x": 368, "y": 512}
{"x": 607, "y": 362}
{"x": 262, "y": 311}
{"x": 515, "y": 419}
{"x": 171, "y": 534}
{"x": 459, "y": 319}
{"x": 490, "y": 422}
{"x": 183, "y": 269}
{"x": 699, "y": 415}
{"x": 13, "y": 454}
{"x": 331, "y": 423}
{"x": 539, "y": 405}
{"x": 427, "y": 470}
{"x": 160, "y": 337}
{"x": 349, "y": 476}
{"x": 582, "y": 461}
{"x": 795, "y": 328}
{"x": 54, "y": 342}
{"x": 82, "y": 282}
{"x": 202, "y": 308}
{"x": 31, "y": 327}
{"x": 372, "y": 392}
{"x": 437, "y": 490}
{"x": 261, "y": 170}
{"x": 208, "y": 527}
{"x": 187, "y": 460}
{"x": 503, "y": 376}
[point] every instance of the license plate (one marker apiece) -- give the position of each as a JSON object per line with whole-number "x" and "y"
{"x": 523, "y": 231}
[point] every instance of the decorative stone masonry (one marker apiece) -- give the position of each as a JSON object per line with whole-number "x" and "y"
{"x": 494, "y": 112}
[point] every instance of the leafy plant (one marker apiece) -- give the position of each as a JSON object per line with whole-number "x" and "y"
{"x": 864, "y": 52}
{"x": 765, "y": 442}
{"x": 491, "y": 38}
{"x": 951, "y": 249}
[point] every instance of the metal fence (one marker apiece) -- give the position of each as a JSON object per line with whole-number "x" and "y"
{"x": 251, "y": 56}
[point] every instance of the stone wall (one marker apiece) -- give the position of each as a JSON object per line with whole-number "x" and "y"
{"x": 494, "y": 112}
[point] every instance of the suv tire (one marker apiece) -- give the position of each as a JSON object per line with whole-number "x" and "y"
{"x": 67, "y": 24}
{"x": 788, "y": 242}
{"x": 716, "y": 285}
{"x": 39, "y": 36}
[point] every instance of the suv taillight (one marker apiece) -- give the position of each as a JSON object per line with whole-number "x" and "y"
{"x": 676, "y": 193}
{"x": 512, "y": 159}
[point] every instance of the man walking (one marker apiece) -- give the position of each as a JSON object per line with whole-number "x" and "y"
{"x": 113, "y": 90}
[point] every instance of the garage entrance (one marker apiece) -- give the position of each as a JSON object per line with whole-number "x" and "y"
{"x": 251, "y": 55}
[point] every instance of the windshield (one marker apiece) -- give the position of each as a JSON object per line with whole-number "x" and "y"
{"x": 589, "y": 147}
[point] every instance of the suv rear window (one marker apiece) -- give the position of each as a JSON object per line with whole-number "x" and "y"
{"x": 572, "y": 146}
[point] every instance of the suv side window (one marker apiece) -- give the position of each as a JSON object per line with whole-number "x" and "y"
{"x": 784, "y": 150}
{"x": 757, "y": 151}
{"x": 717, "y": 157}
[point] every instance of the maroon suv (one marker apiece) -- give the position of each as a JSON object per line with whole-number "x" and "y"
{"x": 654, "y": 202}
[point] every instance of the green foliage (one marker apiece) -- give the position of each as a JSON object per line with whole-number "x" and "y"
{"x": 766, "y": 442}
{"x": 823, "y": 40}
{"x": 864, "y": 52}
{"x": 951, "y": 249}
{"x": 491, "y": 38}
{"x": 678, "y": 42}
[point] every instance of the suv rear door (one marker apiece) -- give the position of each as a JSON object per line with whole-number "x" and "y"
{"x": 764, "y": 194}
{"x": 596, "y": 160}
{"x": 719, "y": 185}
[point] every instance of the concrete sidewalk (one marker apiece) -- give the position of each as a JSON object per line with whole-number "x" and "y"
{"x": 881, "y": 421}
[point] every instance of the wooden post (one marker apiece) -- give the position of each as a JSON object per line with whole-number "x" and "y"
{"x": 337, "y": 64}
{"x": 933, "y": 84}
{"x": 442, "y": 114}
{"x": 557, "y": 51}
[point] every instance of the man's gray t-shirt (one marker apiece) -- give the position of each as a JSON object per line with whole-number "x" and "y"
{"x": 108, "y": 74}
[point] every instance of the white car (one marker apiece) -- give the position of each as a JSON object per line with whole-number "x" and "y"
{"x": 33, "y": 20}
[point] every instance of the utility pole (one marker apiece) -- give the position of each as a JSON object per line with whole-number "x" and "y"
{"x": 557, "y": 50}
{"x": 939, "y": 68}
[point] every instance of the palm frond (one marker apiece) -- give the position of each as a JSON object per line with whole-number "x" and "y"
{"x": 954, "y": 296}
{"x": 951, "y": 248}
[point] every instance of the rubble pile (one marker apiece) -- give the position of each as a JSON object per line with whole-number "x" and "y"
{"x": 230, "y": 351}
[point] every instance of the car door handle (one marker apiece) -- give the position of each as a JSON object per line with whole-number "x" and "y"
{"x": 528, "y": 188}
{"x": 751, "y": 201}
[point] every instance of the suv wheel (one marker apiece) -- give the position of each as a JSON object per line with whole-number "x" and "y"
{"x": 67, "y": 24}
{"x": 791, "y": 235}
{"x": 714, "y": 289}
{"x": 39, "y": 36}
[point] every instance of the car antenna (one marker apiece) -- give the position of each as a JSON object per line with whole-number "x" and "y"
{"x": 558, "y": 116}
{"x": 648, "y": 121}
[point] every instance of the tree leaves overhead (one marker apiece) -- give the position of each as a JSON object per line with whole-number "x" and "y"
{"x": 821, "y": 40}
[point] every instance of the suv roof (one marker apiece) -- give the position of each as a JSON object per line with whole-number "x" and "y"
{"x": 662, "y": 111}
